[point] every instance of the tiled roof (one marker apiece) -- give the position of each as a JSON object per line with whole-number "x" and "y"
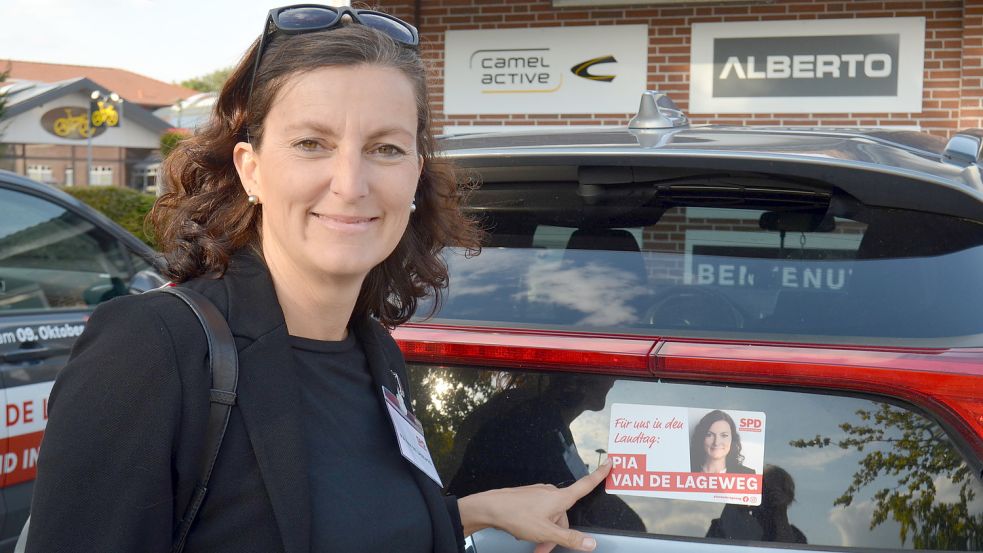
{"x": 135, "y": 88}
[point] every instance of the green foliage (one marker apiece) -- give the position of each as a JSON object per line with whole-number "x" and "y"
{"x": 3, "y": 105}
{"x": 3, "y": 96}
{"x": 170, "y": 139}
{"x": 127, "y": 207}
{"x": 453, "y": 405}
{"x": 443, "y": 397}
{"x": 211, "y": 82}
{"x": 916, "y": 454}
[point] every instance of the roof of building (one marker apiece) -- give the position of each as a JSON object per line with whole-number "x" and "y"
{"x": 23, "y": 96}
{"x": 136, "y": 88}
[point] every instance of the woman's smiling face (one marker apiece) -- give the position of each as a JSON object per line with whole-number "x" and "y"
{"x": 716, "y": 442}
{"x": 337, "y": 170}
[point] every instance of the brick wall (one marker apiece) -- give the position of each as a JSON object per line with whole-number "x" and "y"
{"x": 59, "y": 158}
{"x": 953, "y": 81}
{"x": 971, "y": 99}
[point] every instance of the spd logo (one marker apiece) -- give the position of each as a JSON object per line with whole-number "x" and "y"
{"x": 750, "y": 425}
{"x": 582, "y": 69}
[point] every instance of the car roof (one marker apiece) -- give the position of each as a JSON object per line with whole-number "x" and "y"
{"x": 873, "y": 145}
{"x": 843, "y": 157}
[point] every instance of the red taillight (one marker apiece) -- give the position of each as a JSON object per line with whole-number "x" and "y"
{"x": 526, "y": 350}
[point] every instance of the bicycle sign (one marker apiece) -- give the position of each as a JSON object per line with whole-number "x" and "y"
{"x": 72, "y": 123}
{"x": 104, "y": 114}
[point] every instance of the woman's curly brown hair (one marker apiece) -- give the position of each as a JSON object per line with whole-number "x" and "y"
{"x": 204, "y": 216}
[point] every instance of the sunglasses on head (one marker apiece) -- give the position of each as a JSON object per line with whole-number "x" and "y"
{"x": 307, "y": 18}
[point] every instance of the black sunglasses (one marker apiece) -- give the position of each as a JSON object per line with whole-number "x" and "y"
{"x": 307, "y": 18}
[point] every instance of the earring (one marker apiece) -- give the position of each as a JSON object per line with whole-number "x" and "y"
{"x": 412, "y": 206}
{"x": 253, "y": 200}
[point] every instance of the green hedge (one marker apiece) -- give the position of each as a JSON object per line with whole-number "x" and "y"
{"x": 126, "y": 206}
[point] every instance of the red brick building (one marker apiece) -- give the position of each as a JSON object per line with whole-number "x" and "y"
{"x": 951, "y": 75}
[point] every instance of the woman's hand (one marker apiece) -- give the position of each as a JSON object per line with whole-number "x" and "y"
{"x": 536, "y": 513}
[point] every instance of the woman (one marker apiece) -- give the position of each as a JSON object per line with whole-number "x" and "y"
{"x": 310, "y": 211}
{"x": 715, "y": 445}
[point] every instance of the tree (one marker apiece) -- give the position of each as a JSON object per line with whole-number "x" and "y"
{"x": 3, "y": 107}
{"x": 443, "y": 397}
{"x": 917, "y": 456}
{"x": 210, "y": 82}
{"x": 170, "y": 139}
{"x": 3, "y": 95}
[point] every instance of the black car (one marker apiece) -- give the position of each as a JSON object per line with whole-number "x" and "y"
{"x": 58, "y": 259}
{"x": 775, "y": 334}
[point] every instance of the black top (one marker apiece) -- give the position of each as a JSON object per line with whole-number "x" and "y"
{"x": 357, "y": 473}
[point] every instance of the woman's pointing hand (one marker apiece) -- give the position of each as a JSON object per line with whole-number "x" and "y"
{"x": 536, "y": 513}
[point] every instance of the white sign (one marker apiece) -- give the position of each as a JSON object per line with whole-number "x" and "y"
{"x": 685, "y": 453}
{"x": 598, "y": 69}
{"x": 25, "y": 413}
{"x": 869, "y": 65}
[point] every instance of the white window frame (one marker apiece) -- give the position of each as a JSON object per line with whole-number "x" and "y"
{"x": 40, "y": 173}
{"x": 101, "y": 175}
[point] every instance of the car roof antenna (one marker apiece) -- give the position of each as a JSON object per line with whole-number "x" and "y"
{"x": 657, "y": 111}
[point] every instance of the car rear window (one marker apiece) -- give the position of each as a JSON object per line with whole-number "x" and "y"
{"x": 827, "y": 470}
{"x": 768, "y": 263}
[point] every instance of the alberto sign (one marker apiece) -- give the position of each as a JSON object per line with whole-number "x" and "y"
{"x": 820, "y": 66}
{"x": 546, "y": 70}
{"x": 684, "y": 453}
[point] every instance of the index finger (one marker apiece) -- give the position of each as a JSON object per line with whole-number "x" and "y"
{"x": 582, "y": 487}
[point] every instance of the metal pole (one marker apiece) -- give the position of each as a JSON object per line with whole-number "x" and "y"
{"x": 88, "y": 146}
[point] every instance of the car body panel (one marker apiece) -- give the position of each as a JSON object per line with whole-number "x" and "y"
{"x": 496, "y": 541}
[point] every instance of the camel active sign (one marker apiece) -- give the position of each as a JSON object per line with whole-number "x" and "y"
{"x": 824, "y": 66}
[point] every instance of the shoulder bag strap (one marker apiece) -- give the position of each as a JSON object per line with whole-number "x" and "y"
{"x": 224, "y": 365}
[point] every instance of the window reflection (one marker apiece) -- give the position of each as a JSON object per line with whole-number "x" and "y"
{"x": 51, "y": 258}
{"x": 753, "y": 271}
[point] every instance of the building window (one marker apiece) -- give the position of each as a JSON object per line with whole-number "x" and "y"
{"x": 101, "y": 176}
{"x": 40, "y": 173}
{"x": 70, "y": 177}
{"x": 145, "y": 178}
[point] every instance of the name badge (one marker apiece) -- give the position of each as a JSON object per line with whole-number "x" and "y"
{"x": 409, "y": 436}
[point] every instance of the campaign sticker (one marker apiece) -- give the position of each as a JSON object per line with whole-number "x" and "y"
{"x": 699, "y": 454}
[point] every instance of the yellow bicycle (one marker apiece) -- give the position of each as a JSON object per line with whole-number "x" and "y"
{"x": 68, "y": 124}
{"x": 105, "y": 115}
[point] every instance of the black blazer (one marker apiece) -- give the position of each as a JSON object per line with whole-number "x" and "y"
{"x": 127, "y": 420}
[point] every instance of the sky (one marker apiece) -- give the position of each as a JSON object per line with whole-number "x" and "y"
{"x": 169, "y": 40}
